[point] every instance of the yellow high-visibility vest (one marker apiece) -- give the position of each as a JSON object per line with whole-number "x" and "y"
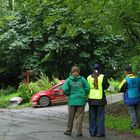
{"x": 95, "y": 93}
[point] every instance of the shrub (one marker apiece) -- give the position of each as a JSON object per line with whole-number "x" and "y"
{"x": 24, "y": 92}
{"x": 7, "y": 91}
{"x": 43, "y": 82}
{"x": 135, "y": 64}
{"x": 114, "y": 86}
{"x": 27, "y": 90}
{"x": 4, "y": 103}
{"x": 4, "y": 99}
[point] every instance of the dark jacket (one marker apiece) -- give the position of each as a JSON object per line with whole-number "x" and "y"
{"x": 102, "y": 101}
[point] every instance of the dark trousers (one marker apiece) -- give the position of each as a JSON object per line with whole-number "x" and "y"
{"x": 133, "y": 111}
{"x": 78, "y": 113}
{"x": 96, "y": 120}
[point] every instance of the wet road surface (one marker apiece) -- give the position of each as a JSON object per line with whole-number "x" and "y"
{"x": 43, "y": 124}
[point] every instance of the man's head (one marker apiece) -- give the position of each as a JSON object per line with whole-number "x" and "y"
{"x": 96, "y": 68}
{"x": 75, "y": 71}
{"x": 128, "y": 70}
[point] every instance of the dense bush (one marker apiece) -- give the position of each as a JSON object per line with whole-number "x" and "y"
{"x": 114, "y": 86}
{"x": 27, "y": 90}
{"x": 7, "y": 91}
{"x": 3, "y": 103}
{"x": 5, "y": 97}
{"x": 135, "y": 64}
{"x": 52, "y": 35}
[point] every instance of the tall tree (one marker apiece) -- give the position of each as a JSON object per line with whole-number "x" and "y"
{"x": 56, "y": 34}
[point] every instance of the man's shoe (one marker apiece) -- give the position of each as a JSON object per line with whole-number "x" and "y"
{"x": 93, "y": 135}
{"x": 78, "y": 135}
{"x": 66, "y": 133}
{"x": 100, "y": 135}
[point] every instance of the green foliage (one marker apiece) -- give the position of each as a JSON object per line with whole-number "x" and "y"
{"x": 135, "y": 64}
{"x": 119, "y": 123}
{"x": 32, "y": 63}
{"x": 50, "y": 35}
{"x": 7, "y": 91}
{"x": 113, "y": 88}
{"x": 125, "y": 14}
{"x": 27, "y": 90}
{"x": 3, "y": 103}
{"x": 115, "y": 84}
{"x": 117, "y": 119}
{"x": 23, "y": 105}
{"x": 43, "y": 82}
{"x": 5, "y": 96}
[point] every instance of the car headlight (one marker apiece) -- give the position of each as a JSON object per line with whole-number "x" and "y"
{"x": 35, "y": 98}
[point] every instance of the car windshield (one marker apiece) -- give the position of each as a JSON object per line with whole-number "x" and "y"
{"x": 58, "y": 87}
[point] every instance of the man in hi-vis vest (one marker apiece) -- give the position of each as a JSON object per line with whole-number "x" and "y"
{"x": 131, "y": 88}
{"x": 97, "y": 101}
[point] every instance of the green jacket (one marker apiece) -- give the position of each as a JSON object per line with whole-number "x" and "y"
{"x": 76, "y": 89}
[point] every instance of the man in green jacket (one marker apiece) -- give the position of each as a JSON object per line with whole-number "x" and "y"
{"x": 76, "y": 88}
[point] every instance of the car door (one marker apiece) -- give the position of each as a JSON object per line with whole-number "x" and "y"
{"x": 59, "y": 97}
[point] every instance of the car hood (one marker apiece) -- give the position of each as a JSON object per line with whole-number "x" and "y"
{"x": 41, "y": 93}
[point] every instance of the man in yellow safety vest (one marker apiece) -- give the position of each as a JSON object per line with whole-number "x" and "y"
{"x": 97, "y": 101}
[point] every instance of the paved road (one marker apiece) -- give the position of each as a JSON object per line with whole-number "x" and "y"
{"x": 44, "y": 124}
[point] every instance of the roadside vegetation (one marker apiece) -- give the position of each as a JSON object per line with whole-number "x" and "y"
{"x": 50, "y": 36}
{"x": 117, "y": 119}
{"x": 114, "y": 87}
{"x": 42, "y": 83}
{"x": 25, "y": 91}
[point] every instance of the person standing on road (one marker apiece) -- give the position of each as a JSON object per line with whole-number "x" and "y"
{"x": 131, "y": 88}
{"x": 76, "y": 88}
{"x": 97, "y": 101}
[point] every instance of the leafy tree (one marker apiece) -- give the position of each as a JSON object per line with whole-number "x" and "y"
{"x": 52, "y": 35}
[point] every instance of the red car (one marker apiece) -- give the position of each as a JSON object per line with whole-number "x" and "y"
{"x": 51, "y": 96}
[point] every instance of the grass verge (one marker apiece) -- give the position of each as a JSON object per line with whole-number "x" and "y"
{"x": 4, "y": 101}
{"x": 120, "y": 124}
{"x": 118, "y": 119}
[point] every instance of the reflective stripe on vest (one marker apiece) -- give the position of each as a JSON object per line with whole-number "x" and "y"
{"x": 95, "y": 93}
